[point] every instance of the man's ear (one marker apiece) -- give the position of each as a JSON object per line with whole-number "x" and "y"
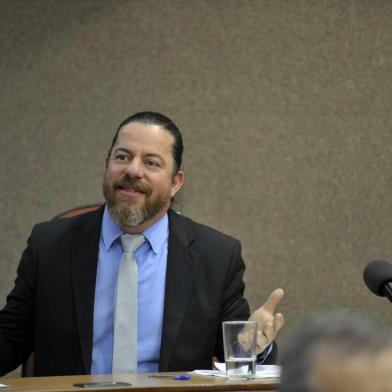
{"x": 178, "y": 181}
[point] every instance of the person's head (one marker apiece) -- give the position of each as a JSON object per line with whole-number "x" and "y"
{"x": 334, "y": 351}
{"x": 154, "y": 118}
{"x": 143, "y": 170}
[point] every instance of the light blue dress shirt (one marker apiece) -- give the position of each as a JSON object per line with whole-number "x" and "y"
{"x": 151, "y": 258}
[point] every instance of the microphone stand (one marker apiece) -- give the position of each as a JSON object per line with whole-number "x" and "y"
{"x": 387, "y": 290}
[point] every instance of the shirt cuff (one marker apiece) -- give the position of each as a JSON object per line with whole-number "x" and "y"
{"x": 263, "y": 356}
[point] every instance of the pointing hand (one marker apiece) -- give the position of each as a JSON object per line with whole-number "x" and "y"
{"x": 268, "y": 322}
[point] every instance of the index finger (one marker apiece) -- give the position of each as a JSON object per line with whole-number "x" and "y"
{"x": 273, "y": 300}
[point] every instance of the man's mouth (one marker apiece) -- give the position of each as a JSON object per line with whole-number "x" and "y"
{"x": 129, "y": 194}
{"x": 130, "y": 191}
{"x": 132, "y": 188}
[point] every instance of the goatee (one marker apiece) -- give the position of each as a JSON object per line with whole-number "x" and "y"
{"x": 123, "y": 212}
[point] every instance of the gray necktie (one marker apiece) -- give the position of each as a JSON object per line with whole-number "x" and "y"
{"x": 125, "y": 312}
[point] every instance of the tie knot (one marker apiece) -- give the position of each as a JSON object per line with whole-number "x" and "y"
{"x": 130, "y": 242}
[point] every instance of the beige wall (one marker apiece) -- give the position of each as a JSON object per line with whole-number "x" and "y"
{"x": 285, "y": 107}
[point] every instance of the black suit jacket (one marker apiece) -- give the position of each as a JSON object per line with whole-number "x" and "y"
{"x": 50, "y": 309}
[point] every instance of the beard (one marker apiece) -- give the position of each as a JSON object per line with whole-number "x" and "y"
{"x": 122, "y": 210}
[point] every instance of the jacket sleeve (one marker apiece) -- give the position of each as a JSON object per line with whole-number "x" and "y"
{"x": 234, "y": 304}
{"x": 17, "y": 316}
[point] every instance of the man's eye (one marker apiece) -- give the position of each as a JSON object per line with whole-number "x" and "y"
{"x": 152, "y": 163}
{"x": 121, "y": 157}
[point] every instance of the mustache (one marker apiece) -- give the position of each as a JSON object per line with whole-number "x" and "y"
{"x": 135, "y": 184}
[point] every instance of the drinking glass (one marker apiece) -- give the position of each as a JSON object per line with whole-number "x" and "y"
{"x": 239, "y": 343}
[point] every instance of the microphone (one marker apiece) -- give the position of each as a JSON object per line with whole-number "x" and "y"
{"x": 378, "y": 278}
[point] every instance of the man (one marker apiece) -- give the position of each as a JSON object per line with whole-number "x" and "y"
{"x": 189, "y": 275}
{"x": 337, "y": 351}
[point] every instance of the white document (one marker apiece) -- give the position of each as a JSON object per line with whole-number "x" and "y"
{"x": 262, "y": 371}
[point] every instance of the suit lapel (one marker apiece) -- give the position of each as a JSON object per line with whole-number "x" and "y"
{"x": 181, "y": 262}
{"x": 84, "y": 269}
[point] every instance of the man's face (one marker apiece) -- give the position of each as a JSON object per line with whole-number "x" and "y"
{"x": 138, "y": 181}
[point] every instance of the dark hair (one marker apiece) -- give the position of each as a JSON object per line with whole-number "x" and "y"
{"x": 154, "y": 118}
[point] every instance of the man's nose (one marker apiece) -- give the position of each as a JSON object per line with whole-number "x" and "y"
{"x": 135, "y": 168}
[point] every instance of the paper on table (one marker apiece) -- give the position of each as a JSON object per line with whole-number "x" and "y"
{"x": 262, "y": 371}
{"x": 3, "y": 386}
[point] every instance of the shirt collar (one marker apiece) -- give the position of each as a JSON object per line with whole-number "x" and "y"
{"x": 156, "y": 234}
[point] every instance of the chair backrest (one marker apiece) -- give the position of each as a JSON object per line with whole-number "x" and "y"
{"x": 78, "y": 211}
{"x": 28, "y": 366}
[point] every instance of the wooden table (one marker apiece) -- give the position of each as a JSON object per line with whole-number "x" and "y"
{"x": 140, "y": 383}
